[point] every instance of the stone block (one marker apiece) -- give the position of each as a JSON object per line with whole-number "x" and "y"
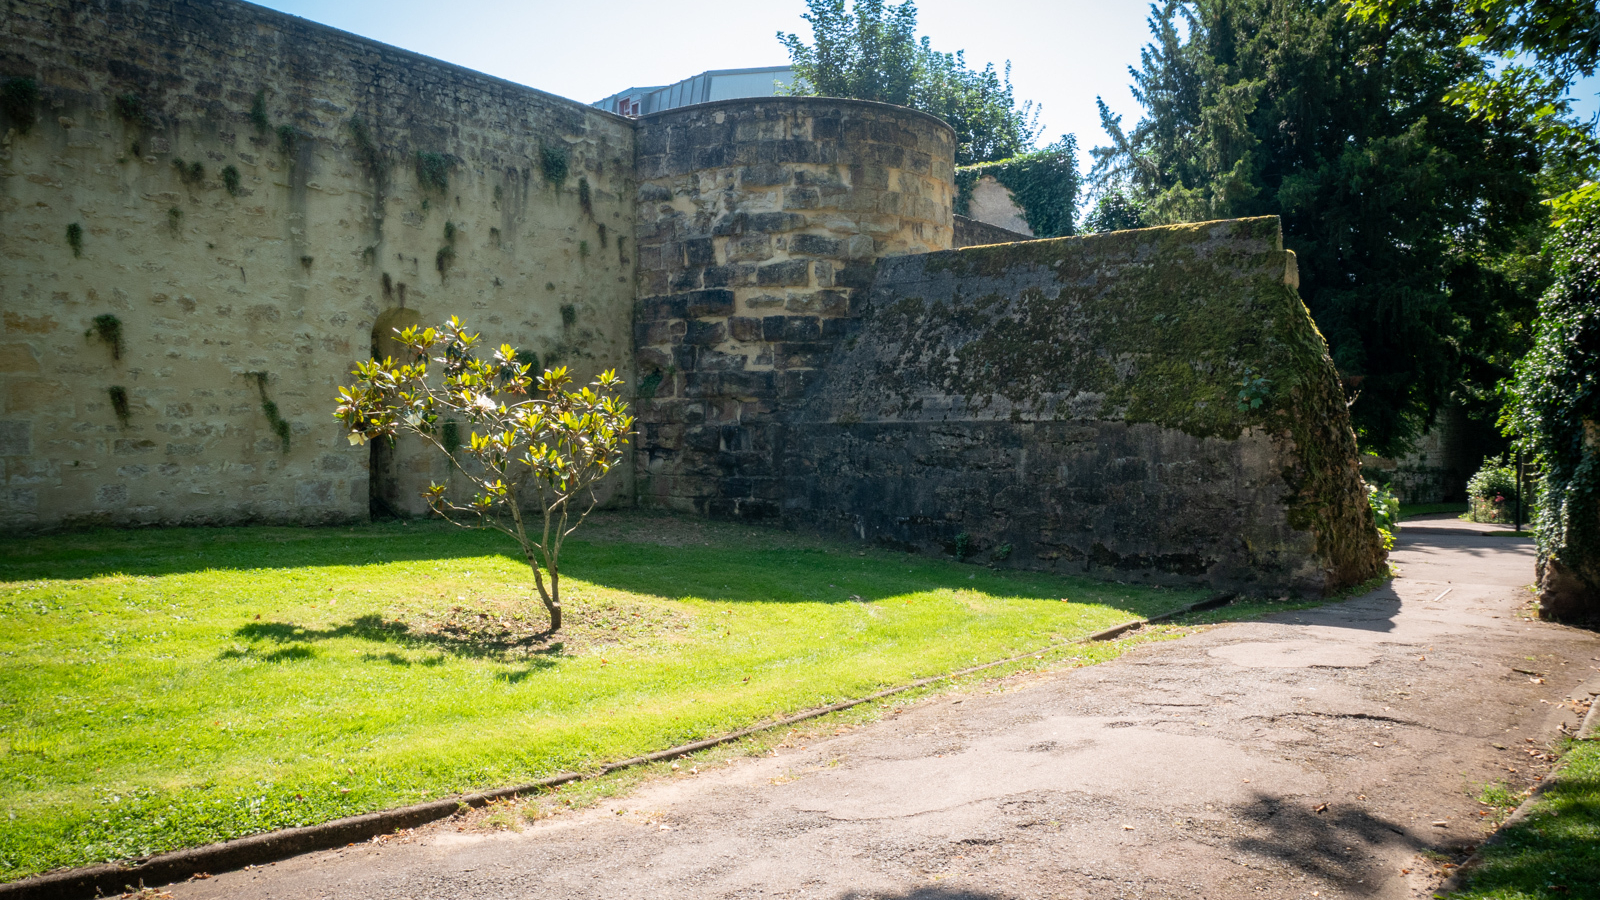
{"x": 744, "y": 328}
{"x": 16, "y": 437}
{"x": 717, "y": 302}
{"x": 811, "y": 355}
{"x": 662, "y": 307}
{"x": 749, "y": 248}
{"x": 802, "y": 198}
{"x": 733, "y": 275}
{"x": 34, "y": 395}
{"x": 815, "y": 245}
{"x": 792, "y": 273}
{"x": 791, "y": 328}
{"x": 700, "y": 252}
{"x": 705, "y": 334}
{"x": 18, "y": 359}
{"x": 765, "y": 175}
{"x": 684, "y": 280}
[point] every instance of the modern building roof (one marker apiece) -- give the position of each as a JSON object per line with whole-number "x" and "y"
{"x": 716, "y": 84}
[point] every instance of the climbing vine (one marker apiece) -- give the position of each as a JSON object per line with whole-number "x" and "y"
{"x": 258, "y": 113}
{"x": 19, "y": 98}
{"x": 230, "y": 179}
{"x": 108, "y": 328}
{"x": 75, "y": 238}
{"x": 1554, "y": 403}
{"x": 553, "y": 162}
{"x": 446, "y": 257}
{"x": 189, "y": 173}
{"x": 131, "y": 109}
{"x": 280, "y": 425}
{"x": 433, "y": 171}
{"x": 119, "y": 403}
{"x": 366, "y": 149}
{"x": 1045, "y": 184}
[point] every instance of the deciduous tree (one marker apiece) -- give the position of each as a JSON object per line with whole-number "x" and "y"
{"x": 868, "y": 50}
{"x": 1417, "y": 224}
{"x": 534, "y": 448}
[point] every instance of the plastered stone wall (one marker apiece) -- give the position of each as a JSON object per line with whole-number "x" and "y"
{"x": 759, "y": 225}
{"x": 1073, "y": 405}
{"x": 250, "y": 198}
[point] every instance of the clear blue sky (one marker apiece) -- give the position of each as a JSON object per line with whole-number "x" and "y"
{"x": 1063, "y": 52}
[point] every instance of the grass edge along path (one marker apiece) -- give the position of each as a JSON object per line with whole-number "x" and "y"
{"x": 1550, "y": 847}
{"x": 266, "y": 847}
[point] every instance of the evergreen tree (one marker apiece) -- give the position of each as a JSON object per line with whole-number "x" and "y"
{"x": 870, "y": 51}
{"x": 1414, "y": 221}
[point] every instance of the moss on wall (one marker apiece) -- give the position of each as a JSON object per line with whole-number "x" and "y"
{"x": 1190, "y": 328}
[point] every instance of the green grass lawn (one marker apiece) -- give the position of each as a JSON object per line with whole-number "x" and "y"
{"x": 167, "y": 688}
{"x": 1429, "y": 509}
{"x": 1555, "y": 851}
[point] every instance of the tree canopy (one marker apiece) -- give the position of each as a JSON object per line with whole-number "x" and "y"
{"x": 1417, "y": 223}
{"x": 1544, "y": 46}
{"x": 869, "y": 50}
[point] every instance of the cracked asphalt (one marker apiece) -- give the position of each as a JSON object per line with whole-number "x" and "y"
{"x": 1328, "y": 753}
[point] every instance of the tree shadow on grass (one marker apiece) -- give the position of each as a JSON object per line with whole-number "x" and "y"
{"x": 174, "y": 551}
{"x": 535, "y": 651}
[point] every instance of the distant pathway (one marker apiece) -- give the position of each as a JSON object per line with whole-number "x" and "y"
{"x": 1316, "y": 754}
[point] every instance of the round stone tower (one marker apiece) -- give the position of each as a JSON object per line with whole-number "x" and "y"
{"x": 760, "y": 224}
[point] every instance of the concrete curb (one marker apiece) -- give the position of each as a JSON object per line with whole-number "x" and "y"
{"x": 1458, "y": 880}
{"x": 166, "y": 868}
{"x": 1590, "y": 729}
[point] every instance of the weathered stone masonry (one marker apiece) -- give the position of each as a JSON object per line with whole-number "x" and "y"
{"x": 1074, "y": 404}
{"x": 329, "y": 227}
{"x": 759, "y": 224}
{"x": 257, "y": 200}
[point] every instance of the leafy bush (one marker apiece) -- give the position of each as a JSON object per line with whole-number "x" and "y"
{"x": 1492, "y": 490}
{"x": 1386, "y": 511}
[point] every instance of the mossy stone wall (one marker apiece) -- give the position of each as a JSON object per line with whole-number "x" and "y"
{"x": 248, "y": 192}
{"x": 1149, "y": 405}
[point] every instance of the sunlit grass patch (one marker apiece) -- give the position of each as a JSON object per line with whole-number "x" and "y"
{"x": 161, "y": 689}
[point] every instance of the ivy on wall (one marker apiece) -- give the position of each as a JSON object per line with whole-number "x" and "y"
{"x": 1044, "y": 183}
{"x": 553, "y": 162}
{"x": 108, "y": 329}
{"x": 119, "y": 403}
{"x": 280, "y": 425}
{"x": 19, "y": 99}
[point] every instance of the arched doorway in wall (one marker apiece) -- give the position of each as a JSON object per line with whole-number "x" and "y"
{"x": 390, "y": 493}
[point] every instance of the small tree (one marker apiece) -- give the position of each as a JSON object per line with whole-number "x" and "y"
{"x": 533, "y": 444}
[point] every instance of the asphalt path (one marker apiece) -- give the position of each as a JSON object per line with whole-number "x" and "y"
{"x": 1332, "y": 752}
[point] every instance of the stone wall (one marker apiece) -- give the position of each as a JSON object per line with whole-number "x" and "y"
{"x": 973, "y": 233}
{"x": 247, "y": 193}
{"x": 1075, "y": 404}
{"x": 759, "y": 224}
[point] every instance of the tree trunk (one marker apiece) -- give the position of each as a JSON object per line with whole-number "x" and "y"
{"x": 553, "y": 601}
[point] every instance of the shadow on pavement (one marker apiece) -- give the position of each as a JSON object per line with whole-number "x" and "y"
{"x": 928, "y": 894}
{"x": 1334, "y": 844}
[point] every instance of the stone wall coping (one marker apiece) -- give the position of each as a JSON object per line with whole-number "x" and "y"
{"x": 891, "y": 108}
{"x": 288, "y": 22}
